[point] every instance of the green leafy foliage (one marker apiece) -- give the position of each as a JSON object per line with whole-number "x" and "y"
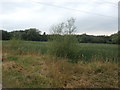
{"x": 65, "y": 47}
{"x": 35, "y": 35}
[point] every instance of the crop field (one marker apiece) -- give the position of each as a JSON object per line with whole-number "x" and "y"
{"x": 28, "y": 64}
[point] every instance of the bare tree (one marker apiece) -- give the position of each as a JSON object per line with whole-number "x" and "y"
{"x": 58, "y": 29}
{"x": 67, "y": 27}
{"x": 70, "y": 26}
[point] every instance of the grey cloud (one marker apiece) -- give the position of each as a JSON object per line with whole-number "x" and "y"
{"x": 11, "y": 7}
{"x": 46, "y": 16}
{"x": 95, "y": 24}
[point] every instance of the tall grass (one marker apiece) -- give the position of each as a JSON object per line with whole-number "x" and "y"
{"x": 19, "y": 47}
{"x": 105, "y": 52}
{"x": 83, "y": 51}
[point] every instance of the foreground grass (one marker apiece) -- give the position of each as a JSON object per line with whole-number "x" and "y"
{"x": 32, "y": 71}
{"x": 29, "y": 66}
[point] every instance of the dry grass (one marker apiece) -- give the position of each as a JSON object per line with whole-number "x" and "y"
{"x": 47, "y": 71}
{"x": 92, "y": 75}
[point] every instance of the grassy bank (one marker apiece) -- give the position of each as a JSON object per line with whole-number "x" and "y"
{"x": 29, "y": 65}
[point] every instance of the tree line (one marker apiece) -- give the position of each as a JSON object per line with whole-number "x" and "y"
{"x": 34, "y": 34}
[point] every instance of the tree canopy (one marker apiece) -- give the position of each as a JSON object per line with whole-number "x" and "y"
{"x": 34, "y": 34}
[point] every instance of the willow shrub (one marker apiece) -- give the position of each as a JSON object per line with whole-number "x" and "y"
{"x": 65, "y": 46}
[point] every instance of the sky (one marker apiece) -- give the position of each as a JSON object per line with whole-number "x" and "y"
{"x": 93, "y": 17}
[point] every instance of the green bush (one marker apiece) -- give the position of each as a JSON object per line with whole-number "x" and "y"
{"x": 65, "y": 46}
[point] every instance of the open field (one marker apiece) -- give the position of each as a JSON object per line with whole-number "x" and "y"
{"x": 29, "y": 64}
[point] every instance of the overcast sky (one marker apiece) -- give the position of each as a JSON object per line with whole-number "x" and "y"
{"x": 96, "y": 17}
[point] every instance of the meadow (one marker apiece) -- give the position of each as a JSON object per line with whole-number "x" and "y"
{"x": 30, "y": 65}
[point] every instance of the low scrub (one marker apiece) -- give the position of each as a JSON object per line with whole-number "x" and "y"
{"x": 65, "y": 47}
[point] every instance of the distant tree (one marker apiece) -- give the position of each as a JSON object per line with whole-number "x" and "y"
{"x": 115, "y": 38}
{"x": 16, "y": 34}
{"x": 33, "y": 34}
{"x": 70, "y": 26}
{"x": 44, "y": 37}
{"x": 67, "y": 27}
{"x": 84, "y": 38}
{"x": 0, "y": 34}
{"x": 118, "y": 37}
{"x": 57, "y": 29}
{"x": 5, "y": 35}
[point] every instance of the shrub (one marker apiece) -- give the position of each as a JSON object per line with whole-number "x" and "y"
{"x": 64, "y": 43}
{"x": 65, "y": 46}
